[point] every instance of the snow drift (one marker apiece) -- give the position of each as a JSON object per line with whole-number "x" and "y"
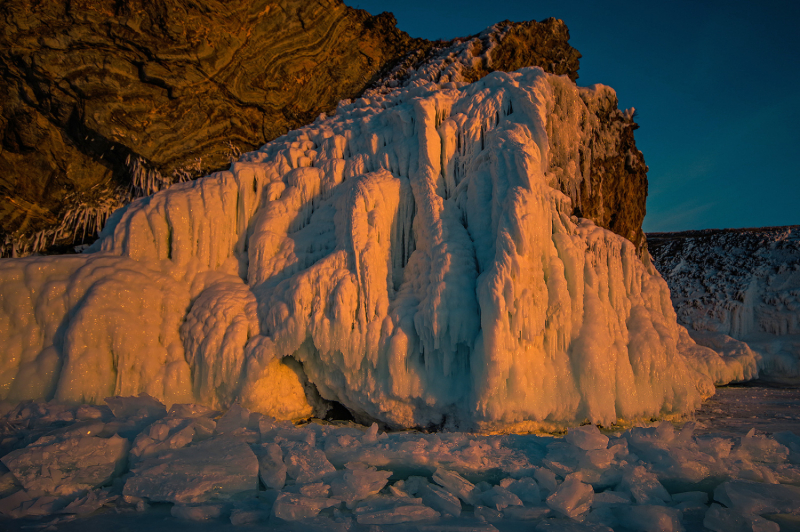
{"x": 408, "y": 257}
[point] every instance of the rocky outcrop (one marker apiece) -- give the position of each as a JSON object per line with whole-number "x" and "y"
{"x": 108, "y": 100}
{"x": 89, "y": 85}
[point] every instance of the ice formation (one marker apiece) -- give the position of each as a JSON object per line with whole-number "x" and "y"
{"x": 738, "y": 292}
{"x": 407, "y": 257}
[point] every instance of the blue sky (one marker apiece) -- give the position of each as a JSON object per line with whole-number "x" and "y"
{"x": 716, "y": 86}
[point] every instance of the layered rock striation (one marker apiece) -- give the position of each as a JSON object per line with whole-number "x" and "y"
{"x": 107, "y": 100}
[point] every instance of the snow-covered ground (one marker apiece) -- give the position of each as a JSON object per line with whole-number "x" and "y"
{"x": 134, "y": 465}
{"x": 737, "y": 283}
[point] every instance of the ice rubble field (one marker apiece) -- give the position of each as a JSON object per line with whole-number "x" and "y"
{"x": 408, "y": 257}
{"x": 247, "y": 468}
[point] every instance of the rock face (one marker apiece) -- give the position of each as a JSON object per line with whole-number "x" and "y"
{"x": 108, "y": 100}
{"x": 739, "y": 284}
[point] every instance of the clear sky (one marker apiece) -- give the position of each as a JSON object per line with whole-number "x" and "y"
{"x": 716, "y": 85}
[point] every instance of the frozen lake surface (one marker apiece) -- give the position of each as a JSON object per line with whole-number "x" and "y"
{"x": 765, "y": 406}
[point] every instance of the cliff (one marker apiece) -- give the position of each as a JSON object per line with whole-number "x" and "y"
{"x": 108, "y": 101}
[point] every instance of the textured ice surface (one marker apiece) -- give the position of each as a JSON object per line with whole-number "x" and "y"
{"x": 407, "y": 257}
{"x": 572, "y": 498}
{"x": 656, "y": 477}
{"x": 64, "y": 466}
{"x": 217, "y": 468}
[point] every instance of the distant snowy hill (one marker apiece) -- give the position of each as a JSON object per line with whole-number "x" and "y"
{"x": 743, "y": 283}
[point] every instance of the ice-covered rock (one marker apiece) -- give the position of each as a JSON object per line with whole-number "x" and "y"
{"x": 214, "y": 469}
{"x": 412, "y": 257}
{"x": 67, "y": 466}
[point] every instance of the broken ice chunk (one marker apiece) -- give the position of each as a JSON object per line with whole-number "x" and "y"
{"x": 546, "y": 480}
{"x": 699, "y": 497}
{"x": 499, "y": 498}
{"x": 611, "y": 498}
{"x": 393, "y": 510}
{"x": 760, "y": 448}
{"x": 439, "y": 499}
{"x": 587, "y": 437}
{"x": 133, "y": 414}
{"x": 371, "y": 435}
{"x": 750, "y": 497}
{"x": 143, "y": 406}
{"x": 457, "y": 485}
{"x": 236, "y": 418}
{"x": 271, "y": 468}
{"x": 650, "y": 517}
{"x": 354, "y": 485}
{"x": 168, "y": 434}
{"x": 522, "y": 513}
{"x": 216, "y": 468}
{"x": 527, "y": 490}
{"x": 721, "y": 519}
{"x": 318, "y": 489}
{"x": 294, "y": 507}
{"x": 90, "y": 502}
{"x": 63, "y": 467}
{"x": 644, "y": 486}
{"x": 572, "y": 498}
{"x": 304, "y": 463}
{"x": 487, "y": 515}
